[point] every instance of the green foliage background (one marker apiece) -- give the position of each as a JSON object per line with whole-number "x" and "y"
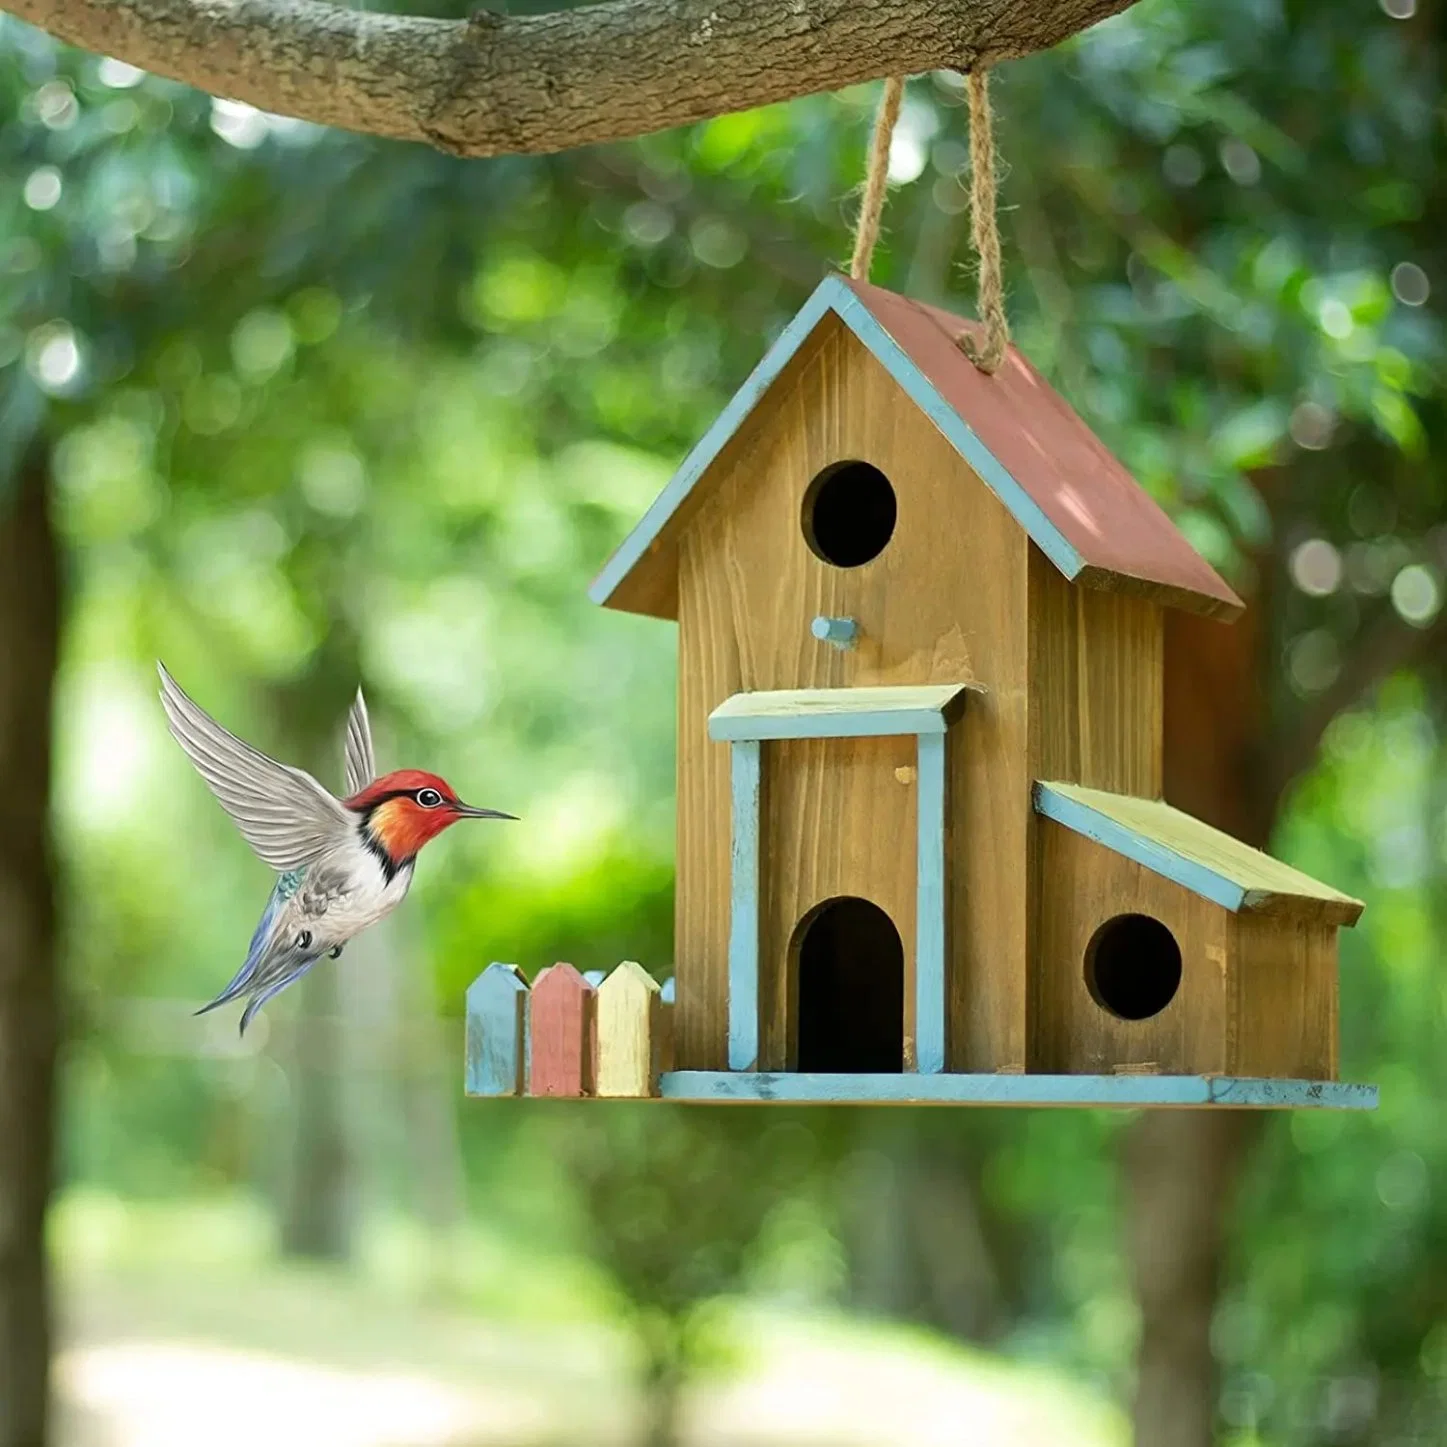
{"x": 326, "y": 408}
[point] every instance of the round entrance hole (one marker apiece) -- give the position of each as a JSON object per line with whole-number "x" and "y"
{"x": 1133, "y": 966}
{"x": 849, "y": 514}
{"x": 850, "y": 964}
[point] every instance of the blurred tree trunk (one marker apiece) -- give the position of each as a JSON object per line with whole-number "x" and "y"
{"x": 319, "y": 1205}
{"x": 1181, "y": 1166}
{"x": 29, "y": 1008}
{"x": 318, "y": 1214}
{"x": 920, "y": 1240}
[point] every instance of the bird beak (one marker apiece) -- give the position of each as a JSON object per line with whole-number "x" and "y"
{"x": 466, "y": 811}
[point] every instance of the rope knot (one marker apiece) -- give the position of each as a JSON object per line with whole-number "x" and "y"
{"x": 986, "y": 353}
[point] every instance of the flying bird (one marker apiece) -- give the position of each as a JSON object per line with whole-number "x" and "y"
{"x": 343, "y": 863}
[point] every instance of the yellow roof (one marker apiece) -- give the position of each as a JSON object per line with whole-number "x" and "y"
{"x": 1191, "y": 853}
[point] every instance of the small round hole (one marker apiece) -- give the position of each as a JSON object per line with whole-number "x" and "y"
{"x": 1133, "y": 966}
{"x": 849, "y": 514}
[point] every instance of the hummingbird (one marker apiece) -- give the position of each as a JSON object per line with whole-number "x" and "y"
{"x": 342, "y": 863}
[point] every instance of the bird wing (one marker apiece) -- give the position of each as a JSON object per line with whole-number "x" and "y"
{"x": 361, "y": 766}
{"x": 282, "y": 812}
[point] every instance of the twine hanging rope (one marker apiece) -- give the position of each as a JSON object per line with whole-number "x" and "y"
{"x": 989, "y": 352}
{"x": 871, "y": 206}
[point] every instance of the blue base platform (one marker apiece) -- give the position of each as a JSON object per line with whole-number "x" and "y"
{"x": 1126, "y": 1091}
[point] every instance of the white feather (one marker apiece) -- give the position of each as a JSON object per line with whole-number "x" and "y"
{"x": 361, "y": 766}
{"x": 288, "y": 818}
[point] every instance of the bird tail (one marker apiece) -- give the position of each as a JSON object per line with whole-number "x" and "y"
{"x": 253, "y": 971}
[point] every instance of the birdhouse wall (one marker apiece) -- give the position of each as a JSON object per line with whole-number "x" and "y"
{"x": 1083, "y": 885}
{"x": 1096, "y": 684}
{"x": 839, "y": 819}
{"x": 1285, "y": 977}
{"x": 946, "y": 601}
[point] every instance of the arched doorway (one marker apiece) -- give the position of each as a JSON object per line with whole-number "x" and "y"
{"x": 850, "y": 964}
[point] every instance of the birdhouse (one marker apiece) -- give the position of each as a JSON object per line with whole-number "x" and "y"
{"x": 922, "y": 854}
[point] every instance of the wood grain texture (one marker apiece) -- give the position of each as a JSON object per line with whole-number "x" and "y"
{"x": 561, "y": 1032}
{"x": 838, "y": 823}
{"x": 1096, "y": 671}
{"x": 1037, "y": 457}
{"x": 1285, "y": 1006}
{"x": 1127, "y": 542}
{"x": 629, "y": 1032}
{"x": 945, "y": 602}
{"x": 497, "y": 1010}
{"x": 1087, "y": 885}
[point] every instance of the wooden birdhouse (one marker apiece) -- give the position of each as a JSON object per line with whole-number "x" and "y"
{"x": 921, "y": 849}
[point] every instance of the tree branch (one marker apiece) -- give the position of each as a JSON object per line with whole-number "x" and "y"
{"x": 538, "y": 83}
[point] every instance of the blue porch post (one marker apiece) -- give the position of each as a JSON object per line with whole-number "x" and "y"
{"x": 744, "y": 907}
{"x": 929, "y": 951}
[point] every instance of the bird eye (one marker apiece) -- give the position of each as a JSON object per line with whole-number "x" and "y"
{"x": 304, "y": 939}
{"x": 428, "y": 798}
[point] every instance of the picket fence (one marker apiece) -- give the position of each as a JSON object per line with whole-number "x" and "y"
{"x": 568, "y": 1034}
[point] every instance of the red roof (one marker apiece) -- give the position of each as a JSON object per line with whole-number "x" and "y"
{"x": 1114, "y": 524}
{"x": 1079, "y": 505}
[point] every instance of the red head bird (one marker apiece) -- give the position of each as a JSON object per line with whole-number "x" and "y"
{"x": 343, "y": 863}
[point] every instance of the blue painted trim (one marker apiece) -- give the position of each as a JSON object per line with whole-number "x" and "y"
{"x": 837, "y": 713}
{"x": 958, "y": 433}
{"x": 829, "y": 724}
{"x": 832, "y": 294}
{"x": 746, "y": 762}
{"x": 930, "y": 1002}
{"x": 758, "y": 382}
{"x": 841, "y": 632}
{"x": 1128, "y": 1091}
{"x": 1092, "y": 824}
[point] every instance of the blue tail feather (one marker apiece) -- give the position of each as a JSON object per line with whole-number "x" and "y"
{"x": 285, "y": 887}
{"x": 275, "y": 988}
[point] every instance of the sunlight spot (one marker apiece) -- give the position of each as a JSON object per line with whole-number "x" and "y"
{"x": 1335, "y": 319}
{"x": 118, "y": 75}
{"x": 1417, "y": 595}
{"x": 53, "y": 356}
{"x": 237, "y": 124}
{"x": 1409, "y": 284}
{"x": 42, "y": 188}
{"x": 1316, "y": 568}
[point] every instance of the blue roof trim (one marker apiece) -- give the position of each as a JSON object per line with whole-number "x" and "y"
{"x": 637, "y": 543}
{"x": 1189, "y": 874}
{"x": 1026, "y": 511}
{"x": 1117, "y": 1091}
{"x": 832, "y": 294}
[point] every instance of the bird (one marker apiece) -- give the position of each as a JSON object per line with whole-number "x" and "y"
{"x": 342, "y": 864}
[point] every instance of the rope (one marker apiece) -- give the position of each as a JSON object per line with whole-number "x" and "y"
{"x": 984, "y": 231}
{"x": 866, "y": 229}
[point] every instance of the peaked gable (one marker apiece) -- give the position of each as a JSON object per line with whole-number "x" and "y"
{"x": 1078, "y": 504}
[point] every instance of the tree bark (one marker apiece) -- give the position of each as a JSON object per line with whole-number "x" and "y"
{"x": 29, "y": 1010}
{"x": 1181, "y": 1166}
{"x": 319, "y": 1211}
{"x": 494, "y": 84}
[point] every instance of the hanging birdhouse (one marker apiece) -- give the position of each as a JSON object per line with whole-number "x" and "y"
{"x": 921, "y": 849}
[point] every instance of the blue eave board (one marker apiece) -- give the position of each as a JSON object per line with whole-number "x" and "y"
{"x": 1117, "y": 1091}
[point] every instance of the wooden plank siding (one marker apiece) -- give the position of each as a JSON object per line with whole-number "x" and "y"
{"x": 946, "y": 602}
